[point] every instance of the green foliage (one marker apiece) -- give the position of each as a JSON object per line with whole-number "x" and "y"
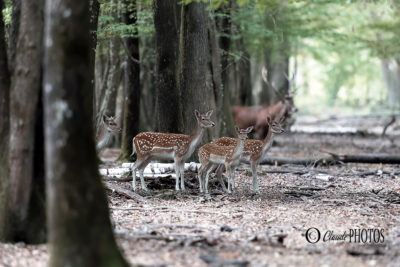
{"x": 110, "y": 24}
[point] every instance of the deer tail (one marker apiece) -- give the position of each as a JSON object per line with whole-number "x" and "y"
{"x": 133, "y": 147}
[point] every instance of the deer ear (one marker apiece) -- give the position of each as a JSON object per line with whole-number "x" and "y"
{"x": 104, "y": 118}
{"x": 268, "y": 120}
{"x": 197, "y": 113}
{"x": 249, "y": 129}
{"x": 237, "y": 129}
{"x": 208, "y": 114}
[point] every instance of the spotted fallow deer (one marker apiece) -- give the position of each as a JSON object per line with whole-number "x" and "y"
{"x": 254, "y": 150}
{"x": 211, "y": 154}
{"x": 151, "y": 146}
{"x": 109, "y": 128}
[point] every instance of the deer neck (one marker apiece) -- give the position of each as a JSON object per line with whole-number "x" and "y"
{"x": 195, "y": 138}
{"x": 103, "y": 138}
{"x": 268, "y": 140}
{"x": 239, "y": 149}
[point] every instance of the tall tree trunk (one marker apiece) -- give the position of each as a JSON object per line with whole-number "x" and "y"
{"x": 79, "y": 226}
{"x": 13, "y": 34}
{"x": 26, "y": 159}
{"x": 193, "y": 63}
{"x": 391, "y": 75}
{"x": 108, "y": 103}
{"x": 276, "y": 60}
{"x": 168, "y": 107}
{"x": 132, "y": 83}
{"x": 94, "y": 9}
{"x": 4, "y": 128}
{"x": 221, "y": 96}
{"x": 243, "y": 71}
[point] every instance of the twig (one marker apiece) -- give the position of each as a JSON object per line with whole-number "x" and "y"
{"x": 392, "y": 120}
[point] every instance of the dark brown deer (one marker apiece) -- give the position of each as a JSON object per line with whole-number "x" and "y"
{"x": 257, "y": 115}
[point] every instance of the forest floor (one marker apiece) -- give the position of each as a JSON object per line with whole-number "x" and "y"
{"x": 164, "y": 228}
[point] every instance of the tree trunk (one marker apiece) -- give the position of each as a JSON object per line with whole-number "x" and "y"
{"x": 168, "y": 107}
{"x": 193, "y": 63}
{"x": 132, "y": 83}
{"x": 26, "y": 158}
{"x": 276, "y": 61}
{"x": 108, "y": 103}
{"x": 13, "y": 34}
{"x": 4, "y": 128}
{"x": 94, "y": 9}
{"x": 243, "y": 70}
{"x": 391, "y": 75}
{"x": 221, "y": 95}
{"x": 79, "y": 226}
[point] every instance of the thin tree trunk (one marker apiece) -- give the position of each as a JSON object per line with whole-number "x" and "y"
{"x": 4, "y": 129}
{"x": 79, "y": 226}
{"x": 132, "y": 83}
{"x": 94, "y": 9}
{"x": 13, "y": 34}
{"x": 107, "y": 105}
{"x": 243, "y": 69}
{"x": 25, "y": 131}
{"x": 167, "y": 45}
{"x": 220, "y": 97}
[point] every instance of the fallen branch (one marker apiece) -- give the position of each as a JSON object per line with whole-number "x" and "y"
{"x": 335, "y": 159}
{"x": 124, "y": 192}
{"x": 392, "y": 120}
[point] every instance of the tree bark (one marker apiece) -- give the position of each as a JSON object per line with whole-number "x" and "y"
{"x": 79, "y": 226}
{"x": 4, "y": 128}
{"x": 108, "y": 102}
{"x": 94, "y": 9}
{"x": 13, "y": 34}
{"x": 193, "y": 63}
{"x": 132, "y": 83}
{"x": 276, "y": 61}
{"x": 168, "y": 107}
{"x": 26, "y": 203}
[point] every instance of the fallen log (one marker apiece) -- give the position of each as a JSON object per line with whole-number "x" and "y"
{"x": 124, "y": 192}
{"x": 335, "y": 159}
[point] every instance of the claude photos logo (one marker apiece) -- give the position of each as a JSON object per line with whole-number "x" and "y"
{"x": 313, "y": 235}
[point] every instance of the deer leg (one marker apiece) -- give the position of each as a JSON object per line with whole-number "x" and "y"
{"x": 228, "y": 172}
{"x": 142, "y": 179}
{"x": 135, "y": 166}
{"x": 182, "y": 174}
{"x": 218, "y": 173}
{"x": 177, "y": 173}
{"x": 255, "y": 179}
{"x": 233, "y": 177}
{"x": 199, "y": 175}
{"x": 210, "y": 169}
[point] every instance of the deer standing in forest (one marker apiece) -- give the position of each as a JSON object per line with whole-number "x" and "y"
{"x": 254, "y": 150}
{"x": 211, "y": 154}
{"x": 150, "y": 146}
{"x": 257, "y": 115}
{"x": 108, "y": 128}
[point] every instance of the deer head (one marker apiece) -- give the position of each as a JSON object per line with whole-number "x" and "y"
{"x": 110, "y": 124}
{"x": 204, "y": 119}
{"x": 276, "y": 127}
{"x": 242, "y": 133}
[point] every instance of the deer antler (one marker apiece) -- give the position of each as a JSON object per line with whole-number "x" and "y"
{"x": 292, "y": 91}
{"x": 264, "y": 75}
